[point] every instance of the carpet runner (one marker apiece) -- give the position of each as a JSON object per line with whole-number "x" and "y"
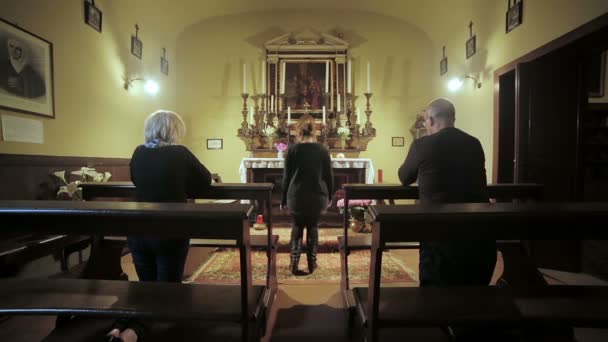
{"x": 223, "y": 266}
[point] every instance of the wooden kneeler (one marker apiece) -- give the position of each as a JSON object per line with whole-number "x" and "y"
{"x": 243, "y": 305}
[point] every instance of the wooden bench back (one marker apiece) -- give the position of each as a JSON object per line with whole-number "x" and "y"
{"x": 509, "y": 221}
{"x": 164, "y": 220}
{"x": 499, "y": 192}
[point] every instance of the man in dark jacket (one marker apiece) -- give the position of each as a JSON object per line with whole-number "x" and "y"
{"x": 449, "y": 166}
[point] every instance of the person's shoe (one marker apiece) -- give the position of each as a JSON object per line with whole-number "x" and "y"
{"x": 293, "y": 264}
{"x": 312, "y": 242}
{"x": 296, "y": 248}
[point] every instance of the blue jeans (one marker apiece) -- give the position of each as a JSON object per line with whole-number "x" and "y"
{"x": 159, "y": 259}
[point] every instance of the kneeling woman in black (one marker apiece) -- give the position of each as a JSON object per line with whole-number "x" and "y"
{"x": 162, "y": 171}
{"x": 307, "y": 185}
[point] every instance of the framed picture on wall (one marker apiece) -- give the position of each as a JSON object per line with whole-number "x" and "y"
{"x": 215, "y": 144}
{"x": 443, "y": 66}
{"x": 398, "y": 141}
{"x": 92, "y": 15}
{"x": 136, "y": 47}
{"x": 514, "y": 16}
{"x": 471, "y": 46}
{"x": 164, "y": 66}
{"x": 26, "y": 61}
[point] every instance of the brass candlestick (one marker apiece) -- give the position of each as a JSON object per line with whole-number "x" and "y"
{"x": 244, "y": 124}
{"x": 369, "y": 129}
{"x": 350, "y": 105}
{"x": 262, "y": 110}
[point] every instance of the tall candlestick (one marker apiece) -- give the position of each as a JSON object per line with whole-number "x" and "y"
{"x": 327, "y": 76}
{"x": 289, "y": 115}
{"x": 323, "y": 115}
{"x": 263, "y": 77}
{"x": 369, "y": 87}
{"x": 283, "y": 78}
{"x": 251, "y": 116}
{"x": 338, "y": 102}
{"x": 244, "y": 78}
{"x": 358, "y": 117}
{"x": 349, "y": 76}
{"x": 272, "y": 103}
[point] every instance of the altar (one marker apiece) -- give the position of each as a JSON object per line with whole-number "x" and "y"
{"x": 270, "y": 170}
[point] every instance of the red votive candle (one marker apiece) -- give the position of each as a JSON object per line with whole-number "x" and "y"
{"x": 260, "y": 219}
{"x": 379, "y": 175}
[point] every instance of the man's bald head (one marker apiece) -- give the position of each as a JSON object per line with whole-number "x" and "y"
{"x": 440, "y": 113}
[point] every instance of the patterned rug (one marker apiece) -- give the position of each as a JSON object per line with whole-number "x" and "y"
{"x": 223, "y": 266}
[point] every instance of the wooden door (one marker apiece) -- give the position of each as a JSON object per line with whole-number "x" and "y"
{"x": 548, "y": 106}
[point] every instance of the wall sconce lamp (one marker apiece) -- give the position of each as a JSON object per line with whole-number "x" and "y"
{"x": 456, "y": 83}
{"x": 151, "y": 87}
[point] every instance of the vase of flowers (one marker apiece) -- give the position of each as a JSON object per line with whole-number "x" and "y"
{"x": 270, "y": 132}
{"x": 359, "y": 221}
{"x": 70, "y": 190}
{"x": 343, "y": 134}
{"x": 281, "y": 147}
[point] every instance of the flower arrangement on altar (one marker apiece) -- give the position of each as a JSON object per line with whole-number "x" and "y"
{"x": 343, "y": 132}
{"x": 281, "y": 147}
{"x": 70, "y": 190}
{"x": 270, "y": 132}
{"x": 360, "y": 221}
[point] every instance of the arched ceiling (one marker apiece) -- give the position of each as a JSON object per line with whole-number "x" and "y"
{"x": 435, "y": 17}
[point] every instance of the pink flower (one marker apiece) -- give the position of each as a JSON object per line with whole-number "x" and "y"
{"x": 354, "y": 203}
{"x": 280, "y": 147}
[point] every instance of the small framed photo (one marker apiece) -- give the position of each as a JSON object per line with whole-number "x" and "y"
{"x": 398, "y": 141}
{"x": 215, "y": 144}
{"x": 514, "y": 16}
{"x": 443, "y": 66}
{"x": 164, "y": 66}
{"x": 136, "y": 47}
{"x": 92, "y": 15}
{"x": 471, "y": 46}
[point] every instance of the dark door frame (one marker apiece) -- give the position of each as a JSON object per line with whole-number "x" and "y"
{"x": 570, "y": 37}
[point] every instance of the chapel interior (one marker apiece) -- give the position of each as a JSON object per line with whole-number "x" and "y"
{"x": 528, "y": 79}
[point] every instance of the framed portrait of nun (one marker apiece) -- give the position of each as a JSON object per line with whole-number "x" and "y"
{"x": 26, "y": 72}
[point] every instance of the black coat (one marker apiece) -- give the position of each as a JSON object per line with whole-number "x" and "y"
{"x": 450, "y": 168}
{"x": 307, "y": 179}
{"x": 168, "y": 174}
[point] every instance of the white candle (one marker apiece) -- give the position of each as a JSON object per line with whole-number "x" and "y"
{"x": 251, "y": 116}
{"x": 358, "y": 117}
{"x": 283, "y": 78}
{"x": 289, "y": 115}
{"x": 271, "y": 103}
{"x": 244, "y": 78}
{"x": 338, "y": 102}
{"x": 369, "y": 87}
{"x": 349, "y": 76}
{"x": 327, "y": 76}
{"x": 263, "y": 77}
{"x": 323, "y": 115}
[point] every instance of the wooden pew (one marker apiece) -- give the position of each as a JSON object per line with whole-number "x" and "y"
{"x": 479, "y": 306}
{"x": 392, "y": 192}
{"x": 244, "y": 304}
{"x": 260, "y": 192}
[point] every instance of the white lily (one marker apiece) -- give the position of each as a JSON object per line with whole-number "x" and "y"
{"x": 60, "y": 175}
{"x": 106, "y": 176}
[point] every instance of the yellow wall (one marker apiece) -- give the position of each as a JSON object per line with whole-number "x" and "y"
{"x": 94, "y": 115}
{"x": 211, "y": 54}
{"x": 543, "y": 21}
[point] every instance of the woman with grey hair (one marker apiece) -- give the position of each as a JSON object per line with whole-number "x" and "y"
{"x": 162, "y": 171}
